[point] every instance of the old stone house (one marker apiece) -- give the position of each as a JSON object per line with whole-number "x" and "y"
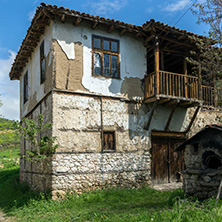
{"x": 119, "y": 97}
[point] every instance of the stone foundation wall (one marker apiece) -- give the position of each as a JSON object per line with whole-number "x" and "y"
{"x": 79, "y": 162}
{"x": 88, "y": 171}
{"x": 201, "y": 183}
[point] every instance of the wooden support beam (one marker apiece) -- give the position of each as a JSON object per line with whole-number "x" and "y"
{"x": 77, "y": 21}
{"x": 162, "y": 101}
{"x": 192, "y": 119}
{"x": 34, "y": 31}
{"x": 111, "y": 28}
{"x": 95, "y": 24}
{"x": 172, "y": 102}
{"x": 162, "y": 61}
{"x": 63, "y": 18}
{"x": 177, "y": 42}
{"x": 48, "y": 14}
{"x": 123, "y": 31}
{"x": 157, "y": 64}
{"x": 151, "y": 116}
{"x": 170, "y": 117}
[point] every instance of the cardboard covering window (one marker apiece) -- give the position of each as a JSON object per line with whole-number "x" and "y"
{"x": 109, "y": 141}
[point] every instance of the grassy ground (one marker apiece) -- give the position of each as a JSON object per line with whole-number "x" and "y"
{"x": 118, "y": 204}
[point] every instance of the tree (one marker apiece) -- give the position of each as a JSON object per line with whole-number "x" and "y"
{"x": 208, "y": 54}
{"x": 41, "y": 146}
{"x": 210, "y": 12}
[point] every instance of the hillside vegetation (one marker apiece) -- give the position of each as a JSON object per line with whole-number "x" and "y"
{"x": 9, "y": 136}
{"x": 19, "y": 203}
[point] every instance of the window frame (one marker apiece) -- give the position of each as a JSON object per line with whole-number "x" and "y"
{"x": 25, "y": 87}
{"x": 102, "y": 51}
{"x": 114, "y": 141}
{"x": 42, "y": 59}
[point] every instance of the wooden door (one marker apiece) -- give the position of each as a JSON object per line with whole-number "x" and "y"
{"x": 166, "y": 163}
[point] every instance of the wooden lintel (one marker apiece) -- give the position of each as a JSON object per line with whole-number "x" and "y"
{"x": 123, "y": 31}
{"x": 170, "y": 117}
{"x": 48, "y": 14}
{"x": 95, "y": 24}
{"x": 151, "y": 116}
{"x": 77, "y": 21}
{"x": 63, "y": 18}
{"x": 168, "y": 134}
{"x": 111, "y": 28}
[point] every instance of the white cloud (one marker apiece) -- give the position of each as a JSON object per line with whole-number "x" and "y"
{"x": 105, "y": 7}
{"x": 31, "y": 14}
{"x": 9, "y": 90}
{"x": 177, "y": 6}
{"x": 149, "y": 10}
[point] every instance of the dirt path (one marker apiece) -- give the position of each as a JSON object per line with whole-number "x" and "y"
{"x": 3, "y": 218}
{"x": 167, "y": 186}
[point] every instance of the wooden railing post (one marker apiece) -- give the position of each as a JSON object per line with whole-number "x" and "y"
{"x": 215, "y": 93}
{"x": 185, "y": 73}
{"x": 199, "y": 84}
{"x": 157, "y": 64}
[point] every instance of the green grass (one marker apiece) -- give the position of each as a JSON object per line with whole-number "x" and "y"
{"x": 144, "y": 204}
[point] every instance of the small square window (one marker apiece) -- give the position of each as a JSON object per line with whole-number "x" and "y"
{"x": 109, "y": 141}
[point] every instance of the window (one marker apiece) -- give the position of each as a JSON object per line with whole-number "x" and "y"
{"x": 105, "y": 57}
{"x": 25, "y": 87}
{"x": 109, "y": 141}
{"x": 42, "y": 63}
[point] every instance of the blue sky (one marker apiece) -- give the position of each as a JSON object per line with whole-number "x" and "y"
{"x": 15, "y": 17}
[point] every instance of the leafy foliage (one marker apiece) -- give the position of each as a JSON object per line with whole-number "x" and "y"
{"x": 207, "y": 58}
{"x": 41, "y": 146}
{"x": 210, "y": 12}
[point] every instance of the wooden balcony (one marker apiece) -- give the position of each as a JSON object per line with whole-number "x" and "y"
{"x": 212, "y": 96}
{"x": 185, "y": 90}
{"x": 168, "y": 87}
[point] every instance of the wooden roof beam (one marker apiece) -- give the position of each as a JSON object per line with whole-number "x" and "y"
{"x": 111, "y": 28}
{"x": 95, "y": 24}
{"x": 177, "y": 42}
{"x": 123, "y": 31}
{"x": 77, "y": 21}
{"x": 63, "y": 18}
{"x": 48, "y": 14}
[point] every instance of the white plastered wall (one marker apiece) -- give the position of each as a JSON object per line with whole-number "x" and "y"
{"x": 132, "y": 56}
{"x": 35, "y": 89}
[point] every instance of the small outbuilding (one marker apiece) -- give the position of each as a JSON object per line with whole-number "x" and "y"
{"x": 203, "y": 161}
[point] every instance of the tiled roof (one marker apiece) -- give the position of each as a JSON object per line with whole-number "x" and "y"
{"x": 198, "y": 135}
{"x": 45, "y": 13}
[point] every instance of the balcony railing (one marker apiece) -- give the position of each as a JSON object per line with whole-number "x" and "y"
{"x": 186, "y": 87}
{"x": 171, "y": 84}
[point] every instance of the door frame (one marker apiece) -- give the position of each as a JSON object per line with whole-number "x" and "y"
{"x": 167, "y": 135}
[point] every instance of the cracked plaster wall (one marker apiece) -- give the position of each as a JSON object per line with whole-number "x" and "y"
{"x": 37, "y": 91}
